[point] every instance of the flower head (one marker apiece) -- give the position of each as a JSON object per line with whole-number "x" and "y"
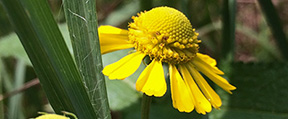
{"x": 166, "y": 36}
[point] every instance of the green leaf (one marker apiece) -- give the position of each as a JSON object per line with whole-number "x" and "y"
{"x": 4, "y": 23}
{"x": 276, "y": 26}
{"x": 261, "y": 92}
{"x": 11, "y": 41}
{"x": 124, "y": 90}
{"x": 120, "y": 94}
{"x": 81, "y": 17}
{"x": 51, "y": 59}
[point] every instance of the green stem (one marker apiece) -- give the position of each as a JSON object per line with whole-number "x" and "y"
{"x": 146, "y": 102}
{"x": 229, "y": 10}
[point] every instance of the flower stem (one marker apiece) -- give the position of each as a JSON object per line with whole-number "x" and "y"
{"x": 146, "y": 101}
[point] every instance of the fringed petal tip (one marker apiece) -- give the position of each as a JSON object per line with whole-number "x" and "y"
{"x": 152, "y": 81}
{"x": 152, "y": 93}
{"x": 180, "y": 93}
{"x": 186, "y": 111}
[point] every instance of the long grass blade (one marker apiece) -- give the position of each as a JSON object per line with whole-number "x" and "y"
{"x": 51, "y": 59}
{"x": 81, "y": 17}
{"x": 276, "y": 26}
{"x": 228, "y": 33}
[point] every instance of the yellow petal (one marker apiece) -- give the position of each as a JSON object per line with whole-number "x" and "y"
{"x": 180, "y": 93}
{"x": 106, "y": 29}
{"x": 112, "y": 39}
{"x": 220, "y": 81}
{"x": 152, "y": 81}
{"x": 52, "y": 116}
{"x": 208, "y": 62}
{"x": 209, "y": 93}
{"x": 202, "y": 105}
{"x": 124, "y": 67}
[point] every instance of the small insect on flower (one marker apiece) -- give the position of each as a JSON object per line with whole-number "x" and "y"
{"x": 56, "y": 116}
{"x": 166, "y": 36}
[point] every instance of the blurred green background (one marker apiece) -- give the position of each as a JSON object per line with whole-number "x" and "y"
{"x": 251, "y": 57}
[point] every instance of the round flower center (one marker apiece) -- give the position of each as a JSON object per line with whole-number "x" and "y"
{"x": 165, "y": 34}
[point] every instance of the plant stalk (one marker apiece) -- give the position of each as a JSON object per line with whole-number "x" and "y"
{"x": 146, "y": 102}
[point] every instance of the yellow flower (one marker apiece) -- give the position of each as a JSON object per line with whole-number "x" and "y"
{"x": 55, "y": 116}
{"x": 52, "y": 116}
{"x": 166, "y": 36}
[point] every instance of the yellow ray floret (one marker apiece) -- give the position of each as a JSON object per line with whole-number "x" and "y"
{"x": 124, "y": 67}
{"x": 152, "y": 81}
{"x": 180, "y": 93}
{"x": 202, "y": 105}
{"x": 208, "y": 62}
{"x": 220, "y": 81}
{"x": 209, "y": 93}
{"x": 112, "y": 39}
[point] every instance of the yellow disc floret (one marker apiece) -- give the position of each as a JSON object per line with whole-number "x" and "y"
{"x": 165, "y": 34}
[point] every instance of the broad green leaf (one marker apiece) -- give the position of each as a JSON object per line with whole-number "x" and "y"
{"x": 261, "y": 92}
{"x": 121, "y": 94}
{"x": 51, "y": 59}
